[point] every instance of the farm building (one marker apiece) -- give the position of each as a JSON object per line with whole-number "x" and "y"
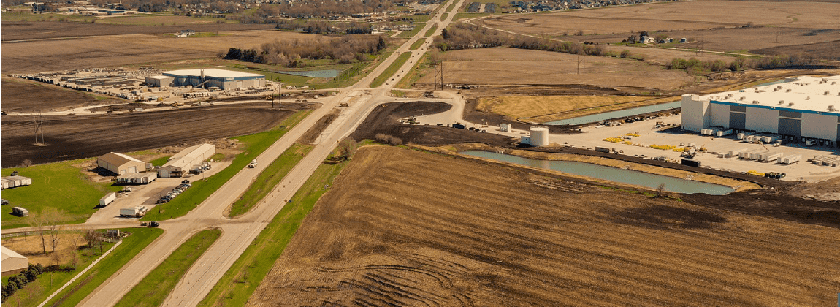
{"x": 13, "y": 262}
{"x": 803, "y": 108}
{"x": 183, "y": 161}
{"x": 120, "y": 164}
{"x": 207, "y": 78}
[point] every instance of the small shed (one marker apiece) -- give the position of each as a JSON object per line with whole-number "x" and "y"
{"x": 13, "y": 262}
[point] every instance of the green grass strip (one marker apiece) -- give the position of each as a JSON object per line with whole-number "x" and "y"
{"x": 390, "y": 70}
{"x": 431, "y": 30}
{"x": 85, "y": 284}
{"x": 155, "y": 287}
{"x": 269, "y": 178}
{"x": 160, "y": 161}
{"x": 409, "y": 34}
{"x": 240, "y": 281}
{"x": 417, "y": 44}
{"x": 201, "y": 189}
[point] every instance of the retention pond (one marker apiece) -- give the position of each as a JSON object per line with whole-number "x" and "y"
{"x": 611, "y": 173}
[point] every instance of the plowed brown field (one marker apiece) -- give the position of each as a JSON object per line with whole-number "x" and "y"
{"x": 82, "y": 136}
{"x": 407, "y": 228}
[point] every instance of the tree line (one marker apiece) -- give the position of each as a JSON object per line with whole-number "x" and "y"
{"x": 289, "y": 53}
{"x": 467, "y": 36}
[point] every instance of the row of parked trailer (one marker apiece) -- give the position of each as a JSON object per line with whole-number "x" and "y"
{"x": 716, "y": 132}
{"x": 761, "y": 155}
{"x": 832, "y": 161}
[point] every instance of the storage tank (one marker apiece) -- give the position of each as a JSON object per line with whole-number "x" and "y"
{"x": 539, "y": 136}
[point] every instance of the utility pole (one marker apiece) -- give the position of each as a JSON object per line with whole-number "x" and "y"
{"x": 578, "y": 69}
{"x": 441, "y": 75}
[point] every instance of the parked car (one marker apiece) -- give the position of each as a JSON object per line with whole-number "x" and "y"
{"x": 154, "y": 224}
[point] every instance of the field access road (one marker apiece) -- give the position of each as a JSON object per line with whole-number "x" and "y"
{"x": 238, "y": 233}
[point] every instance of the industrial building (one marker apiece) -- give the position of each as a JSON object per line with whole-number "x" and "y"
{"x": 187, "y": 159}
{"x": 120, "y": 164}
{"x": 797, "y": 109}
{"x": 207, "y": 78}
{"x": 13, "y": 262}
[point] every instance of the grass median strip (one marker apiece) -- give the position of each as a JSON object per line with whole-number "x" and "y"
{"x": 417, "y": 44}
{"x": 390, "y": 70}
{"x": 269, "y": 178}
{"x": 409, "y": 34}
{"x": 431, "y": 30}
{"x": 85, "y": 284}
{"x": 240, "y": 281}
{"x": 155, "y": 287}
{"x": 201, "y": 189}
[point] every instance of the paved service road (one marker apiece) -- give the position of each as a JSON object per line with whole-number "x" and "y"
{"x": 238, "y": 233}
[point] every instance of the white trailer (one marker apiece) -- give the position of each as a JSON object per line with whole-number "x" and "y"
{"x": 721, "y": 133}
{"x": 790, "y": 159}
{"x": 107, "y": 199}
{"x": 138, "y": 211}
{"x": 772, "y": 157}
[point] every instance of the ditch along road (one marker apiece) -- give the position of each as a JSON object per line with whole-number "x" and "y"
{"x": 238, "y": 233}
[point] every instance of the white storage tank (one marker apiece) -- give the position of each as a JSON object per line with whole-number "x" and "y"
{"x": 539, "y": 136}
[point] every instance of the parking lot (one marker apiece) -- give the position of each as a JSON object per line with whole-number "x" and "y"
{"x": 146, "y": 195}
{"x": 594, "y": 136}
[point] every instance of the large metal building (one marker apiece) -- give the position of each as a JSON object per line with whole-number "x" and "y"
{"x": 207, "y": 78}
{"x": 187, "y": 159}
{"x": 803, "y": 108}
{"x": 120, "y": 164}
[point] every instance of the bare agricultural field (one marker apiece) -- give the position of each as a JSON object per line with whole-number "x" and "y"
{"x": 509, "y": 66}
{"x": 30, "y": 96}
{"x": 548, "y": 108}
{"x": 83, "y": 136}
{"x": 407, "y": 228}
{"x": 161, "y": 20}
{"x": 720, "y": 25}
{"x": 116, "y": 50}
{"x": 35, "y": 30}
{"x": 682, "y": 15}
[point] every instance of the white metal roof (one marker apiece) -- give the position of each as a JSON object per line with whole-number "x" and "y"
{"x": 211, "y": 72}
{"x": 187, "y": 156}
{"x": 804, "y": 93}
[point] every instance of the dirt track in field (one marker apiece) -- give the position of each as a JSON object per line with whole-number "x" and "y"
{"x": 73, "y": 137}
{"x": 406, "y": 228}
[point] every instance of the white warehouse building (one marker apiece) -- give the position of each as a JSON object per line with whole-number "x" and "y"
{"x": 207, "y": 78}
{"x": 803, "y": 108}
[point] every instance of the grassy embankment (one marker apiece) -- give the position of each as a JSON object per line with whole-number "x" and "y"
{"x": 269, "y": 178}
{"x": 155, "y": 287}
{"x": 379, "y": 80}
{"x": 84, "y": 285}
{"x": 549, "y": 108}
{"x": 243, "y": 277}
{"x": 37, "y": 291}
{"x": 255, "y": 144}
{"x": 57, "y": 185}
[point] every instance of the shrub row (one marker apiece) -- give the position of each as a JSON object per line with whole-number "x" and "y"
{"x": 20, "y": 280}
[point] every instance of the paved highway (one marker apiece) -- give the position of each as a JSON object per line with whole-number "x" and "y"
{"x": 238, "y": 233}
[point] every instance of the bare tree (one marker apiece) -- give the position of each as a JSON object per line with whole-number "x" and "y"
{"x": 37, "y": 221}
{"x": 660, "y": 190}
